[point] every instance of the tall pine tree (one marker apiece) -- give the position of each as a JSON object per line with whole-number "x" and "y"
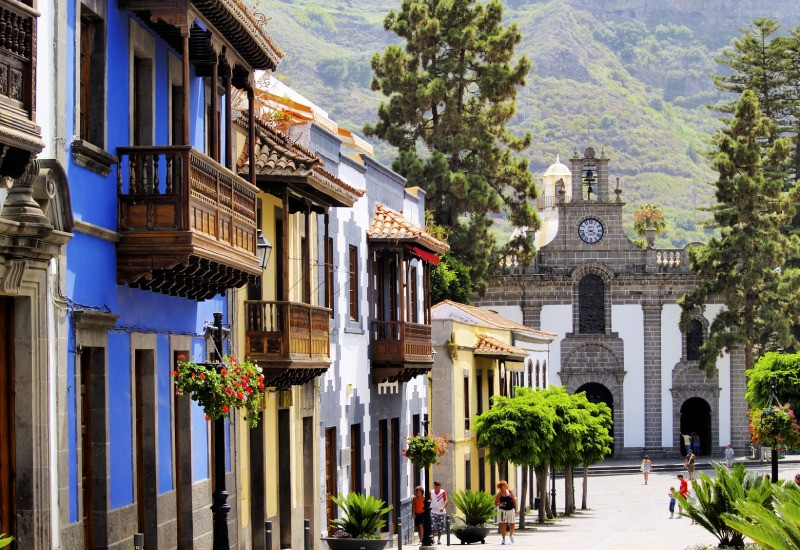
{"x": 451, "y": 91}
{"x": 744, "y": 265}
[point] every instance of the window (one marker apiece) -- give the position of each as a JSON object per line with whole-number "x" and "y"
{"x": 537, "y": 374}
{"x": 591, "y": 305}
{"x": 694, "y": 339}
{"x": 479, "y": 391}
{"x": 355, "y": 458}
{"x": 415, "y": 431}
{"x": 353, "y": 282}
{"x": 468, "y": 474}
{"x": 490, "y": 382}
{"x": 412, "y": 303}
{"x": 466, "y": 403}
{"x": 481, "y": 473}
{"x": 91, "y": 124}
{"x": 329, "y": 301}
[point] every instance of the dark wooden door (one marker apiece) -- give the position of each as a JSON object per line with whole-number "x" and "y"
{"x": 7, "y": 479}
{"x": 86, "y": 447}
{"x": 330, "y": 474}
{"x": 395, "y": 461}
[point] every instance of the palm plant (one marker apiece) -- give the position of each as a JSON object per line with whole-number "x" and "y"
{"x": 362, "y": 515}
{"x": 718, "y": 496}
{"x": 477, "y": 506}
{"x": 772, "y": 529}
{"x": 4, "y": 540}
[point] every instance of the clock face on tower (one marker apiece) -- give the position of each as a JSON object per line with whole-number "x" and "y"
{"x": 590, "y": 230}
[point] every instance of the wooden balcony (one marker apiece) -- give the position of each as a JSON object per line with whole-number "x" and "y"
{"x": 20, "y": 136}
{"x": 400, "y": 350}
{"x": 289, "y": 340}
{"x": 188, "y": 224}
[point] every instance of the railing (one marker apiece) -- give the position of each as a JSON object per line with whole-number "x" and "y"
{"x": 669, "y": 258}
{"x": 283, "y": 330}
{"x": 546, "y": 202}
{"x": 399, "y": 341}
{"x": 17, "y": 53}
{"x": 177, "y": 188}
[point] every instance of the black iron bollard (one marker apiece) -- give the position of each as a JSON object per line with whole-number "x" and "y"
{"x": 138, "y": 541}
{"x": 307, "y": 534}
{"x": 268, "y": 535}
{"x": 220, "y": 506}
{"x": 400, "y": 535}
{"x": 447, "y": 528}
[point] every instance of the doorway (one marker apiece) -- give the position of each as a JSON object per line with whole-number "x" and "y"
{"x": 696, "y": 417}
{"x": 598, "y": 393}
{"x": 285, "y": 478}
{"x": 330, "y": 476}
{"x": 7, "y": 479}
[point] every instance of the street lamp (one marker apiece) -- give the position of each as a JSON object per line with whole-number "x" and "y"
{"x": 219, "y": 506}
{"x": 263, "y": 249}
{"x": 427, "y": 531}
{"x": 553, "y": 490}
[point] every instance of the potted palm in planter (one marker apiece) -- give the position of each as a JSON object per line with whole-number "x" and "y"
{"x": 478, "y": 510}
{"x": 359, "y": 526}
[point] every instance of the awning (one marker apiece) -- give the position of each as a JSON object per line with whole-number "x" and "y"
{"x": 424, "y": 255}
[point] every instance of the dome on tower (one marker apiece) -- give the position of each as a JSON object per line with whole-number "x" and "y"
{"x": 558, "y": 170}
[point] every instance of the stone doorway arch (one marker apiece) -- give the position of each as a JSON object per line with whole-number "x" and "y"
{"x": 695, "y": 417}
{"x": 598, "y": 393}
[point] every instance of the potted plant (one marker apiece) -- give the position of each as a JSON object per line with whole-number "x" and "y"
{"x": 220, "y": 387}
{"x": 648, "y": 221}
{"x": 478, "y": 510}
{"x": 775, "y": 427}
{"x": 423, "y": 451}
{"x": 359, "y": 526}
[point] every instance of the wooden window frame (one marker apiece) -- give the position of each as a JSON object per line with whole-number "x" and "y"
{"x": 353, "y": 282}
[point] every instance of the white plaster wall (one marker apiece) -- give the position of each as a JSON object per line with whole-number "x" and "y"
{"x": 724, "y": 367}
{"x": 512, "y": 313}
{"x": 557, "y": 319}
{"x": 628, "y": 321}
{"x": 671, "y": 351}
{"x": 45, "y": 77}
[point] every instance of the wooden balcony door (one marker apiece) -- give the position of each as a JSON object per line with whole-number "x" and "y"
{"x": 87, "y": 465}
{"x": 330, "y": 475}
{"x": 7, "y": 477}
{"x": 285, "y": 478}
{"x": 146, "y": 482}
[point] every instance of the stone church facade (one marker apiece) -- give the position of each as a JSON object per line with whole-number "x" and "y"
{"x": 614, "y": 307}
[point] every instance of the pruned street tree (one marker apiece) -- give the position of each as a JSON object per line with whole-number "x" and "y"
{"x": 597, "y": 439}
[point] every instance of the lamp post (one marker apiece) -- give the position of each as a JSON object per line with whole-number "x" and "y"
{"x": 773, "y": 400}
{"x": 427, "y": 531}
{"x": 219, "y": 506}
{"x": 553, "y": 490}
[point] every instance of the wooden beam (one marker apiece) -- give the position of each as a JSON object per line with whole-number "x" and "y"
{"x": 186, "y": 91}
{"x": 307, "y": 254}
{"x": 286, "y": 224}
{"x": 251, "y": 127}
{"x": 229, "y": 161}
{"x": 214, "y": 153}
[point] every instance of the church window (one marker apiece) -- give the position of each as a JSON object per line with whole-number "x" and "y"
{"x": 694, "y": 339}
{"x": 591, "y": 305}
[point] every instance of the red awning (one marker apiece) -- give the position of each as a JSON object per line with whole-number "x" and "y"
{"x": 424, "y": 255}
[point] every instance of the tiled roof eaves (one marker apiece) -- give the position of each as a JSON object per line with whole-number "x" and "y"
{"x": 391, "y": 226}
{"x": 255, "y": 24}
{"x": 497, "y": 320}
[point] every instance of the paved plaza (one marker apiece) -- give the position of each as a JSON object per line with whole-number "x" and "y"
{"x": 624, "y": 514}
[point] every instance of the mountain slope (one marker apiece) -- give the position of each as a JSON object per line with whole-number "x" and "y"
{"x": 626, "y": 76}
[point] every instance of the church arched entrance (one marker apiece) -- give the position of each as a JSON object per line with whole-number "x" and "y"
{"x": 696, "y": 417}
{"x": 598, "y": 393}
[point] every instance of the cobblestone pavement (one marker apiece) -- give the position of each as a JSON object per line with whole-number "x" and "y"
{"x": 624, "y": 514}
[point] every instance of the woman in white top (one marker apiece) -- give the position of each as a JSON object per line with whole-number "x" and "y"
{"x": 646, "y": 467}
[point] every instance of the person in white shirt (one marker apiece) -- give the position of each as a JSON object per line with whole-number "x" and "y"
{"x": 438, "y": 510}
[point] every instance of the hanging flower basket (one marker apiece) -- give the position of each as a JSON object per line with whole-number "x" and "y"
{"x": 775, "y": 427}
{"x": 424, "y": 450}
{"x": 221, "y": 387}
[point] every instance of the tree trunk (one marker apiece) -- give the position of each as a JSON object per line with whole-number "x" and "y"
{"x": 521, "y": 502}
{"x": 585, "y": 485}
{"x": 569, "y": 497}
{"x": 541, "y": 488}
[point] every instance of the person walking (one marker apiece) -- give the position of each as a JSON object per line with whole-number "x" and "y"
{"x": 506, "y": 504}
{"x": 729, "y": 456}
{"x": 689, "y": 463}
{"x": 695, "y": 444}
{"x": 418, "y": 511}
{"x": 683, "y": 490}
{"x": 646, "y": 466}
{"x": 671, "y": 496}
{"x": 438, "y": 505}
{"x": 687, "y": 443}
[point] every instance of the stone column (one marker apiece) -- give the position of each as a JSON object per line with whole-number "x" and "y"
{"x": 532, "y": 315}
{"x": 652, "y": 375}
{"x": 740, "y": 432}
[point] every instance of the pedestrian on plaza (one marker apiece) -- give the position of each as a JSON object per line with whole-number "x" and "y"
{"x": 646, "y": 466}
{"x": 683, "y": 490}
{"x": 438, "y": 505}
{"x": 797, "y": 479}
{"x": 689, "y": 463}
{"x": 687, "y": 443}
{"x": 418, "y": 511}
{"x": 506, "y": 504}
{"x": 729, "y": 456}
{"x": 671, "y": 495}
{"x": 695, "y": 444}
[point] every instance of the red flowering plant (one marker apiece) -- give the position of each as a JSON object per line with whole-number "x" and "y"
{"x": 220, "y": 387}
{"x": 424, "y": 450}
{"x": 775, "y": 426}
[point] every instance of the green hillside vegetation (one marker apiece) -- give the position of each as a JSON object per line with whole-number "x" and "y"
{"x": 637, "y": 90}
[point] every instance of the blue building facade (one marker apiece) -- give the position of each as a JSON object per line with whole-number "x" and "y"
{"x": 163, "y": 228}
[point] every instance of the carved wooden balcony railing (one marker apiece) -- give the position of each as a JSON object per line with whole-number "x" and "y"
{"x": 20, "y": 136}
{"x": 188, "y": 224}
{"x": 400, "y": 350}
{"x": 289, "y": 340}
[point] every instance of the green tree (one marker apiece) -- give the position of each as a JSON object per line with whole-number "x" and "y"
{"x": 716, "y": 497}
{"x": 520, "y": 430}
{"x": 743, "y": 265}
{"x": 775, "y": 527}
{"x": 450, "y": 280}
{"x": 597, "y": 440}
{"x": 452, "y": 91}
{"x": 785, "y": 367}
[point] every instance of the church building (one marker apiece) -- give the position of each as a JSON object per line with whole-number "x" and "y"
{"x": 613, "y": 305}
